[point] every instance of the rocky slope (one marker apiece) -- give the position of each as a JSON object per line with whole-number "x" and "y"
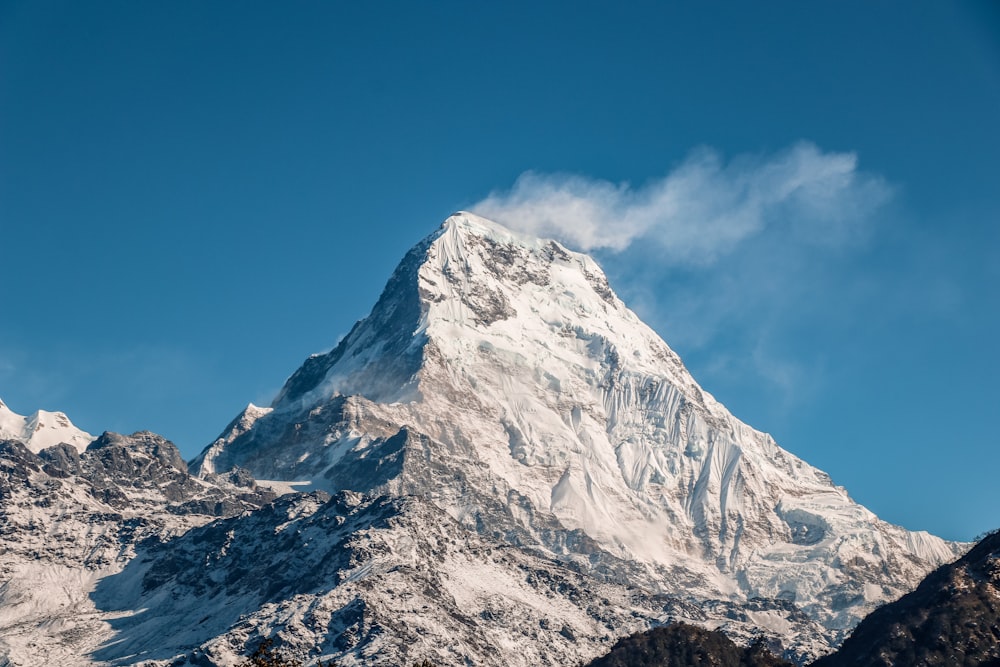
{"x": 952, "y": 618}
{"x": 69, "y": 518}
{"x": 386, "y": 580}
{"x": 682, "y": 645}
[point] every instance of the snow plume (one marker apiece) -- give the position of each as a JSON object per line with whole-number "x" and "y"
{"x": 702, "y": 209}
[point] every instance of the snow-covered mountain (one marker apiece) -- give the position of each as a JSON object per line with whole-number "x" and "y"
{"x": 505, "y": 467}
{"x": 42, "y": 429}
{"x": 500, "y": 378}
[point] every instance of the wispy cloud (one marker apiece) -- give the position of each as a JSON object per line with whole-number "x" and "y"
{"x": 703, "y": 209}
{"x": 746, "y": 265}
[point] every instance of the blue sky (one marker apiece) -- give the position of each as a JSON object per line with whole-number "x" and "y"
{"x": 194, "y": 196}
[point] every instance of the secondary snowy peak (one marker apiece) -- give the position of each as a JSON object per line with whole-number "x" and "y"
{"x": 41, "y": 429}
{"x": 500, "y": 377}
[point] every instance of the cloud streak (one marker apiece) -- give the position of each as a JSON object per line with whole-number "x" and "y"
{"x": 703, "y": 209}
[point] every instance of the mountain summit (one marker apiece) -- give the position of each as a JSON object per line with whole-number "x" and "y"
{"x": 500, "y": 378}
{"x": 41, "y": 429}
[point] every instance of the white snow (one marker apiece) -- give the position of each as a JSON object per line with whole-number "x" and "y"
{"x": 41, "y": 429}
{"x": 284, "y": 487}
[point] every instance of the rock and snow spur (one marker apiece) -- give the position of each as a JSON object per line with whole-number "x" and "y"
{"x": 500, "y": 378}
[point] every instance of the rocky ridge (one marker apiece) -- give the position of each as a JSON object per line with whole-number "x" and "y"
{"x": 70, "y": 518}
{"x": 952, "y": 618}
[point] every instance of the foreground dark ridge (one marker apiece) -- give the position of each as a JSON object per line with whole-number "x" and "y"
{"x": 683, "y": 645}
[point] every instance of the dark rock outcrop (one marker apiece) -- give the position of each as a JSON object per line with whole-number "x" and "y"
{"x": 683, "y": 645}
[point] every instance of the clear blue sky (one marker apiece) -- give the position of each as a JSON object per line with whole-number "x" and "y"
{"x": 196, "y": 195}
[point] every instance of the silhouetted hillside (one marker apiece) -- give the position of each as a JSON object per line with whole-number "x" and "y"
{"x": 682, "y": 645}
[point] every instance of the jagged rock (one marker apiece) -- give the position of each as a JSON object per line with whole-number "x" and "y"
{"x": 70, "y": 518}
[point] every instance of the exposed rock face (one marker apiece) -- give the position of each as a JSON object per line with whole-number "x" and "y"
{"x": 952, "y": 618}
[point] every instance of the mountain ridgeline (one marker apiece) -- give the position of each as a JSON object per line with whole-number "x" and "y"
{"x": 500, "y": 465}
{"x": 683, "y": 645}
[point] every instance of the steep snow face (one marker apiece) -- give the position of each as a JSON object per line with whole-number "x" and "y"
{"x": 41, "y": 429}
{"x": 500, "y": 376}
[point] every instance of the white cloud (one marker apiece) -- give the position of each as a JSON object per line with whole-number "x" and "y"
{"x": 701, "y": 210}
{"x": 752, "y": 267}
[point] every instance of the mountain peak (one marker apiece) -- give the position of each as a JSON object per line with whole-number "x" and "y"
{"x": 500, "y": 377}
{"x": 41, "y": 429}
{"x": 466, "y": 222}
{"x": 478, "y": 269}
{"x": 471, "y": 272}
{"x": 464, "y": 233}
